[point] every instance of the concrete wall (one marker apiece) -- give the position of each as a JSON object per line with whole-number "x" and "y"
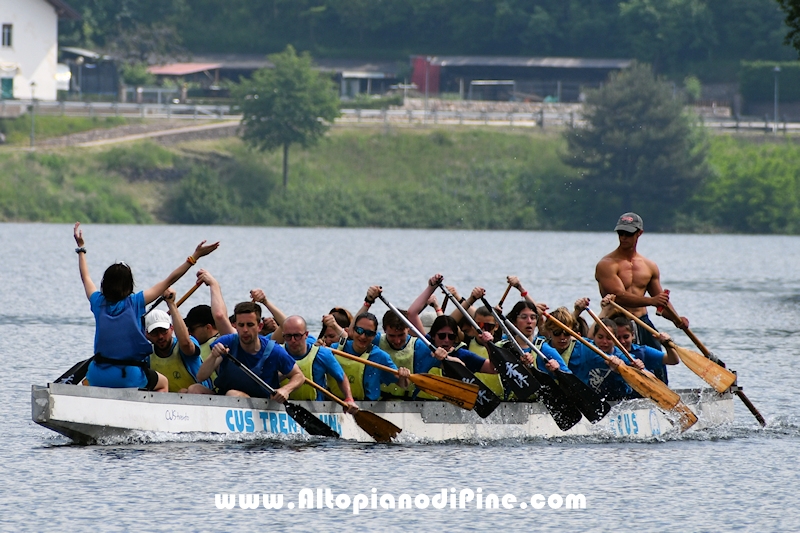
{"x": 34, "y": 47}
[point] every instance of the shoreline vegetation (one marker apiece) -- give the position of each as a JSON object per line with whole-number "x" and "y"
{"x": 456, "y": 178}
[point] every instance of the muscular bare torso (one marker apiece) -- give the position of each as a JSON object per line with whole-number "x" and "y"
{"x": 630, "y": 276}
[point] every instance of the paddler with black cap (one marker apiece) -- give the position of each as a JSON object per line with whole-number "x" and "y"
{"x": 630, "y": 276}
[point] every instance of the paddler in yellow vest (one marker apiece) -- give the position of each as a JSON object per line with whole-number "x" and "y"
{"x": 404, "y": 349}
{"x": 316, "y": 362}
{"x": 366, "y": 381}
{"x": 175, "y": 356}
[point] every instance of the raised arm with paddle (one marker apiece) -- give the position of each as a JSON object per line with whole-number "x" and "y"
{"x": 487, "y": 401}
{"x": 593, "y": 407}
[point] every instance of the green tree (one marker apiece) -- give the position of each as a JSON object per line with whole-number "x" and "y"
{"x": 638, "y": 152}
{"x": 792, "y": 10}
{"x": 289, "y": 104}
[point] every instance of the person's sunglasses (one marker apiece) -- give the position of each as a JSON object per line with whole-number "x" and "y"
{"x": 443, "y": 336}
{"x": 622, "y": 233}
{"x": 487, "y": 326}
{"x": 559, "y": 333}
{"x": 367, "y": 332}
{"x": 293, "y": 336}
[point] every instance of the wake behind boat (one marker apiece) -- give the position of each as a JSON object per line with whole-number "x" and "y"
{"x": 97, "y": 414}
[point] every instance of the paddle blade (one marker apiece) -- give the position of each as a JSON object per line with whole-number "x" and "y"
{"x": 487, "y": 400}
{"x": 709, "y": 371}
{"x": 458, "y": 393}
{"x": 686, "y": 417}
{"x": 593, "y": 407}
{"x": 309, "y": 422}
{"x": 564, "y": 412}
{"x": 515, "y": 376}
{"x": 376, "y": 427}
{"x": 75, "y": 375}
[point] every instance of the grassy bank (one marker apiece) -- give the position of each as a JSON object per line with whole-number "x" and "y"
{"x": 457, "y": 178}
{"x": 18, "y": 130}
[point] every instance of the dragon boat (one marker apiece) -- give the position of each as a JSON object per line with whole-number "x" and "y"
{"x": 89, "y": 415}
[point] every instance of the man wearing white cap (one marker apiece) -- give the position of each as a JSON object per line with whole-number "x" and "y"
{"x": 629, "y": 276}
{"x": 175, "y": 356}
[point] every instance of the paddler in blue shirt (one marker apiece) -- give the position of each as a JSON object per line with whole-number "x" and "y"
{"x": 654, "y": 360}
{"x": 264, "y": 357}
{"x": 366, "y": 381}
{"x": 314, "y": 361}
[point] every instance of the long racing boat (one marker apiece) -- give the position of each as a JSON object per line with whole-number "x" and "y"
{"x": 97, "y": 415}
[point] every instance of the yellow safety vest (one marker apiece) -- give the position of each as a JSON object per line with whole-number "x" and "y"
{"x": 568, "y": 352}
{"x": 355, "y": 375}
{"x": 173, "y": 368}
{"x": 490, "y": 380}
{"x": 205, "y": 351}
{"x": 402, "y": 358}
{"x": 306, "y": 365}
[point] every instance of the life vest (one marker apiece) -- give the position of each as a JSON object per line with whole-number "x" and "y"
{"x": 490, "y": 380}
{"x": 402, "y": 358}
{"x": 354, "y": 372}
{"x": 568, "y": 352}
{"x": 306, "y": 365}
{"x": 174, "y": 368}
{"x": 205, "y": 351}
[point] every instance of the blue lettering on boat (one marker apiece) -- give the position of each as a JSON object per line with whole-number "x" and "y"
{"x": 655, "y": 424}
{"x": 282, "y": 422}
{"x": 625, "y": 424}
{"x": 239, "y": 420}
{"x": 229, "y": 420}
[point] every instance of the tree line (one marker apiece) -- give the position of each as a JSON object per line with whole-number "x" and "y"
{"x": 705, "y": 37}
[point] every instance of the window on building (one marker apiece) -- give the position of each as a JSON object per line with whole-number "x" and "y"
{"x": 6, "y": 88}
{"x": 6, "y": 34}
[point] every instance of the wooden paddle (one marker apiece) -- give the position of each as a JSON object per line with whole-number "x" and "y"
{"x": 458, "y": 393}
{"x": 713, "y": 374}
{"x": 503, "y": 299}
{"x": 646, "y": 386}
{"x": 376, "y": 427}
{"x": 593, "y": 407}
{"x": 487, "y": 400}
{"x": 706, "y": 352}
{"x": 301, "y": 415}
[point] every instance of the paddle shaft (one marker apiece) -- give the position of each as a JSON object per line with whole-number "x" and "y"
{"x": 460, "y": 307}
{"x": 503, "y": 299}
{"x": 252, "y": 375}
{"x": 408, "y": 323}
{"x": 577, "y": 337}
{"x": 608, "y": 332}
{"x": 179, "y": 302}
{"x": 365, "y": 361}
{"x": 327, "y": 393}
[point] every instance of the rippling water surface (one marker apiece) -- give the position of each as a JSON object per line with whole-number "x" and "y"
{"x": 741, "y": 294}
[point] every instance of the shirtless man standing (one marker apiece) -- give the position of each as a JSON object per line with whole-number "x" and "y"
{"x": 628, "y": 275}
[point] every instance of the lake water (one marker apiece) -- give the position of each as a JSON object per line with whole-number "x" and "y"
{"x": 741, "y": 294}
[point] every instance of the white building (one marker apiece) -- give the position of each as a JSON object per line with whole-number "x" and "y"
{"x": 29, "y": 47}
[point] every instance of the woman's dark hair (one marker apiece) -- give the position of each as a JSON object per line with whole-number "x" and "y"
{"x": 517, "y": 309}
{"x": 369, "y": 316}
{"x": 117, "y": 283}
{"x": 441, "y": 322}
{"x": 610, "y": 324}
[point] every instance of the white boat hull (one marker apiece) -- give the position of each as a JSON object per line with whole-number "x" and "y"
{"x": 96, "y": 414}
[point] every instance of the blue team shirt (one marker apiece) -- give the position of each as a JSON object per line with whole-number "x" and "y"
{"x": 270, "y": 360}
{"x": 421, "y": 353}
{"x": 324, "y": 363}
{"x": 373, "y": 377}
{"x": 593, "y": 370}
{"x": 653, "y": 360}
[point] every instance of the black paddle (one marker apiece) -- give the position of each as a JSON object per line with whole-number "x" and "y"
{"x": 564, "y": 412}
{"x": 514, "y": 375}
{"x": 301, "y": 415}
{"x": 487, "y": 400}
{"x": 593, "y": 407}
{"x": 75, "y": 375}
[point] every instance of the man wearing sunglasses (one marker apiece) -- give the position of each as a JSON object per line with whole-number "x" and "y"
{"x": 315, "y": 362}
{"x": 366, "y": 381}
{"x": 631, "y": 277}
